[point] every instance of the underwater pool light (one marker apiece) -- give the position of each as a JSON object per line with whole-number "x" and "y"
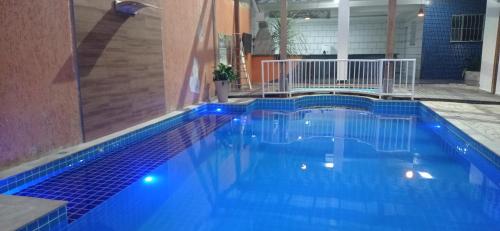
{"x": 149, "y": 179}
{"x": 437, "y": 126}
{"x": 409, "y": 174}
{"x": 329, "y": 165}
{"x": 218, "y": 109}
{"x": 303, "y": 167}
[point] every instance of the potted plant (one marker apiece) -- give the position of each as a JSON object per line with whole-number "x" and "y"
{"x": 223, "y": 75}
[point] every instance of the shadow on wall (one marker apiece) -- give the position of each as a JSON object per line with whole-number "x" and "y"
{"x": 204, "y": 54}
{"x": 93, "y": 45}
{"x": 62, "y": 75}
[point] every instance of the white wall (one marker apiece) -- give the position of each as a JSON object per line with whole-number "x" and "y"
{"x": 366, "y": 36}
{"x": 489, "y": 45}
{"x": 404, "y": 48}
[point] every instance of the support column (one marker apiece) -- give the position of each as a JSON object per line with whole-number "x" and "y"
{"x": 490, "y": 54}
{"x": 215, "y": 35}
{"x": 343, "y": 39}
{"x": 283, "y": 29}
{"x": 237, "y": 40}
{"x": 496, "y": 62}
{"x": 388, "y": 77}
{"x": 283, "y": 83}
{"x": 391, "y": 29}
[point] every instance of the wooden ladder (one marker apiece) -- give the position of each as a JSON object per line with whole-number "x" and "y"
{"x": 244, "y": 81}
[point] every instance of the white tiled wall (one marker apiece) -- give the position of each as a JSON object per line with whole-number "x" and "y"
{"x": 367, "y": 36}
{"x": 404, "y": 48}
{"x": 318, "y": 35}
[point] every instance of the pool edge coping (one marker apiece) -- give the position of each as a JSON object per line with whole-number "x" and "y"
{"x": 29, "y": 213}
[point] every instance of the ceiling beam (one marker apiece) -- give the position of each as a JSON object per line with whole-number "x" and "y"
{"x": 333, "y": 4}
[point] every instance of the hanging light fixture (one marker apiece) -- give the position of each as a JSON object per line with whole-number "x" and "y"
{"x": 421, "y": 11}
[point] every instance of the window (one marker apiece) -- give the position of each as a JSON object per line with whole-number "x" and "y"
{"x": 467, "y": 28}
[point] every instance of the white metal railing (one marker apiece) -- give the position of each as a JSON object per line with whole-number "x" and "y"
{"x": 382, "y": 77}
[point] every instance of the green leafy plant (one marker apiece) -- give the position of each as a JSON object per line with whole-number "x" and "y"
{"x": 295, "y": 41}
{"x": 224, "y": 72}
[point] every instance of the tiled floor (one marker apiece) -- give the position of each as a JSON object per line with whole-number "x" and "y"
{"x": 454, "y": 91}
{"x": 119, "y": 169}
{"x": 480, "y": 121}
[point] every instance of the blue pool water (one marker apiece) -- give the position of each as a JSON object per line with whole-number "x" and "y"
{"x": 312, "y": 169}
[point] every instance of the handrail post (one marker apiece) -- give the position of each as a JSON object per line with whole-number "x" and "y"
{"x": 380, "y": 77}
{"x": 290, "y": 76}
{"x": 263, "y": 84}
{"x": 413, "y": 79}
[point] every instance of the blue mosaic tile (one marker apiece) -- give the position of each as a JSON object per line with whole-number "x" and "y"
{"x": 53, "y": 221}
{"x": 160, "y": 141}
{"x": 405, "y": 107}
{"x": 43, "y": 172}
{"x": 80, "y": 158}
{"x": 442, "y": 59}
{"x": 121, "y": 167}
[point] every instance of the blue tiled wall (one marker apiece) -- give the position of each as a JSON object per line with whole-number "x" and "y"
{"x": 442, "y": 59}
{"x": 53, "y": 221}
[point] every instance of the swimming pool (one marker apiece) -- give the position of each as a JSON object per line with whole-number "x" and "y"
{"x": 313, "y": 163}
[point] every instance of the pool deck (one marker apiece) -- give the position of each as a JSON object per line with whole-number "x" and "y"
{"x": 16, "y": 211}
{"x": 454, "y": 92}
{"x": 480, "y": 121}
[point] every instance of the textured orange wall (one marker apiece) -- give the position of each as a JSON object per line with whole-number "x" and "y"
{"x": 225, "y": 22}
{"x": 257, "y": 68}
{"x": 39, "y": 104}
{"x": 38, "y": 91}
{"x": 188, "y": 52}
{"x": 187, "y": 41}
